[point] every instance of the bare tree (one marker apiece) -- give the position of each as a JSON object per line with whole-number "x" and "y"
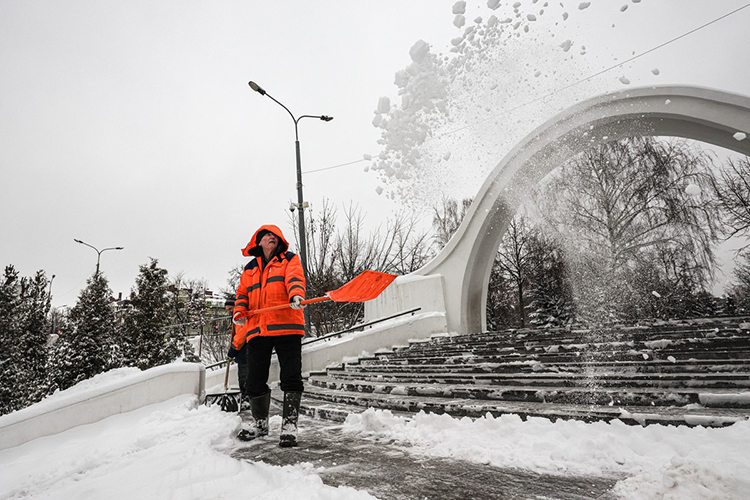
{"x": 233, "y": 280}
{"x": 446, "y": 218}
{"x": 514, "y": 259}
{"x": 619, "y": 203}
{"x": 338, "y": 253}
{"x": 322, "y": 255}
{"x": 732, "y": 189}
{"x": 629, "y": 195}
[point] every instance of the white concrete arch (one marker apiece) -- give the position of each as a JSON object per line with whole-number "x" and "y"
{"x": 455, "y": 281}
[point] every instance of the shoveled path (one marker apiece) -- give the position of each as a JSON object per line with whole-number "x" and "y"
{"x": 388, "y": 470}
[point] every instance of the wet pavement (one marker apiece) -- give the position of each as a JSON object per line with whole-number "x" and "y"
{"x": 387, "y": 470}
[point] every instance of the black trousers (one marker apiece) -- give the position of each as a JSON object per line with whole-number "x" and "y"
{"x": 289, "y": 351}
{"x": 241, "y": 360}
{"x": 242, "y": 370}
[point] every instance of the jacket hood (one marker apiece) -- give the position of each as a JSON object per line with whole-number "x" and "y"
{"x": 254, "y": 250}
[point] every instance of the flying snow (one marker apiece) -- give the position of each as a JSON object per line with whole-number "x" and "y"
{"x": 692, "y": 189}
{"x": 480, "y": 99}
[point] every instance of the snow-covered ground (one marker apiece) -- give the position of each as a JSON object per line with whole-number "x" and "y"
{"x": 182, "y": 450}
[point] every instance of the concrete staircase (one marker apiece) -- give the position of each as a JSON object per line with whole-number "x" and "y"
{"x": 684, "y": 372}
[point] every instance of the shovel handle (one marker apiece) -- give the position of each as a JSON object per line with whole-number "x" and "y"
{"x": 247, "y": 314}
{"x": 226, "y": 377}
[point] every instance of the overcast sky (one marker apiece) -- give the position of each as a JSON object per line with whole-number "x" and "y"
{"x": 131, "y": 123}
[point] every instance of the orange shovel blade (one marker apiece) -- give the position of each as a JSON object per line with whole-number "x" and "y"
{"x": 364, "y": 287}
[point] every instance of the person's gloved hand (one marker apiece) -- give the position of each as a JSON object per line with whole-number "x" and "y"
{"x": 236, "y": 320}
{"x": 296, "y": 302}
{"x": 231, "y": 354}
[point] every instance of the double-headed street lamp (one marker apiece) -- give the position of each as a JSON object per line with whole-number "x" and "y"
{"x": 300, "y": 205}
{"x": 98, "y": 252}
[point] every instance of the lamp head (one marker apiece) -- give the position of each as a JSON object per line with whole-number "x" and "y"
{"x": 119, "y": 248}
{"x": 256, "y": 88}
{"x": 326, "y": 118}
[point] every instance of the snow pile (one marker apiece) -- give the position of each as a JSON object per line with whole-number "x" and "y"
{"x": 176, "y": 449}
{"x": 101, "y": 382}
{"x": 655, "y": 461}
{"x": 458, "y": 115}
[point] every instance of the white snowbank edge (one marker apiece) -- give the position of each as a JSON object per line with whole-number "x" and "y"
{"x": 64, "y": 411}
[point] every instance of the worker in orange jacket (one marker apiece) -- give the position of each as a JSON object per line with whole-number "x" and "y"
{"x": 274, "y": 276}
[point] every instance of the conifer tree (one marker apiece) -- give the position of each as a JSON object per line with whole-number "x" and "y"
{"x": 146, "y": 340}
{"x": 739, "y": 291}
{"x": 32, "y": 345}
{"x": 551, "y": 298}
{"x": 86, "y": 349}
{"x": 9, "y": 332}
{"x": 24, "y": 303}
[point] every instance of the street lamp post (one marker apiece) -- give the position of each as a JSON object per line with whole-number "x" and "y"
{"x": 98, "y": 252}
{"x": 300, "y": 200}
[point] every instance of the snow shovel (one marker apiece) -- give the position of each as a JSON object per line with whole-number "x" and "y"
{"x": 366, "y": 286}
{"x": 227, "y": 401}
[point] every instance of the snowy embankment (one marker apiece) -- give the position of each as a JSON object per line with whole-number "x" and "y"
{"x": 99, "y": 397}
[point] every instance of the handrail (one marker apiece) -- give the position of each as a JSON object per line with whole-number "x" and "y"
{"x": 197, "y": 322}
{"x": 334, "y": 334}
{"x": 355, "y": 327}
{"x": 216, "y": 365}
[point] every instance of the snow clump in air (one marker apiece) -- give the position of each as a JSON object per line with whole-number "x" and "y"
{"x": 419, "y": 51}
{"x": 692, "y": 189}
{"x": 480, "y": 99}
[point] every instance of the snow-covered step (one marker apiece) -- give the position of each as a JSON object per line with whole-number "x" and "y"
{"x": 510, "y": 341}
{"x": 639, "y": 365}
{"x": 603, "y": 378}
{"x": 559, "y": 357}
{"x": 593, "y": 394}
{"x": 734, "y": 327}
{"x": 692, "y": 415}
{"x": 729, "y": 343}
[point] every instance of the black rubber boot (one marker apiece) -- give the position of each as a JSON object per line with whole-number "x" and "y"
{"x": 242, "y": 374}
{"x": 259, "y": 408}
{"x": 289, "y": 419}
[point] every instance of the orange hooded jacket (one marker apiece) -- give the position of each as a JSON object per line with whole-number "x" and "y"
{"x": 263, "y": 286}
